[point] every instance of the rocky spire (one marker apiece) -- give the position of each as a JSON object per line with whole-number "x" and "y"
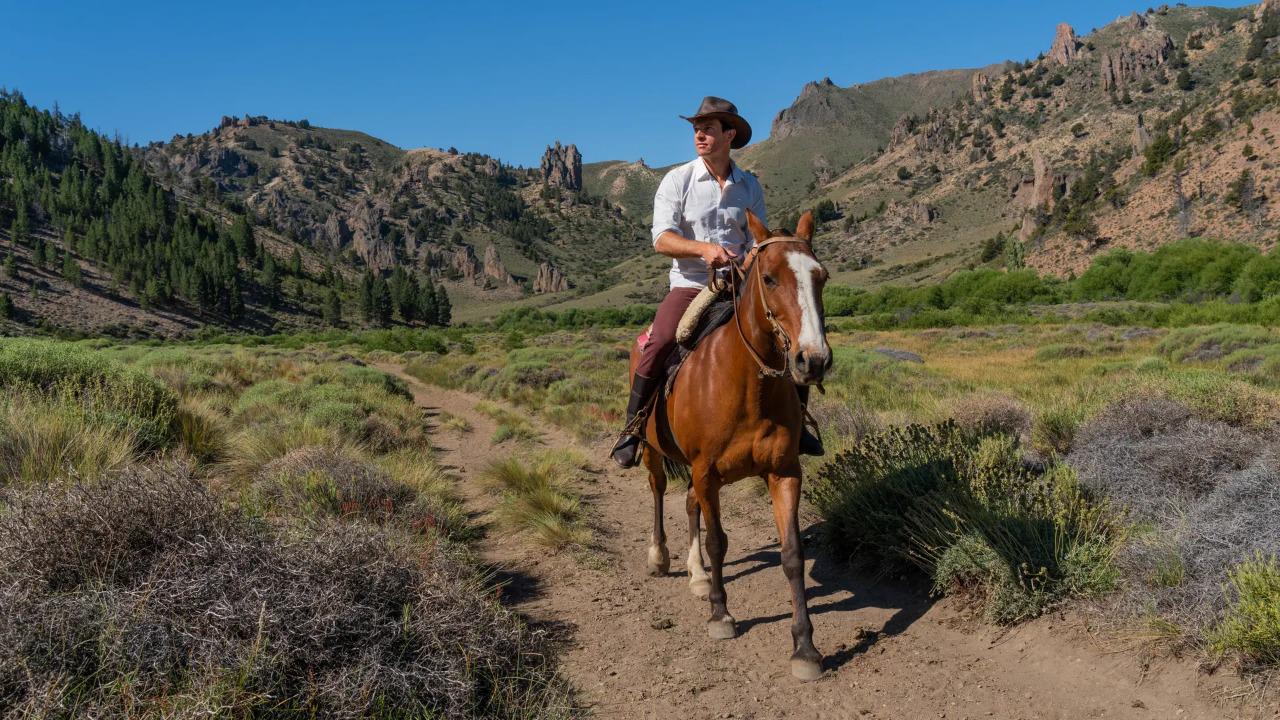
{"x": 494, "y": 268}
{"x": 549, "y": 279}
{"x": 1141, "y": 137}
{"x": 979, "y": 86}
{"x": 1065, "y": 46}
{"x": 562, "y": 167}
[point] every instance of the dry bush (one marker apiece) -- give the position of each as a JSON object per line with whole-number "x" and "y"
{"x": 1155, "y": 457}
{"x": 335, "y": 482}
{"x": 990, "y": 413}
{"x": 141, "y": 596}
{"x": 1208, "y": 493}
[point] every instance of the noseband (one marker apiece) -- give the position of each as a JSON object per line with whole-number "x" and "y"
{"x": 784, "y": 341}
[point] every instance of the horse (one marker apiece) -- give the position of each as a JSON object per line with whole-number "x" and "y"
{"x": 733, "y": 412}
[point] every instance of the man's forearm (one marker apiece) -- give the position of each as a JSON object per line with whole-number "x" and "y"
{"x": 672, "y": 245}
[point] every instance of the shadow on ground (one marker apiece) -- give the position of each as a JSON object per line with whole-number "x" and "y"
{"x": 834, "y": 585}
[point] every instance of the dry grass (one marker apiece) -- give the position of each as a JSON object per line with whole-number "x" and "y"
{"x": 535, "y": 498}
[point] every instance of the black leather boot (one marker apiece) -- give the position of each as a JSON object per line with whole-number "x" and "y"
{"x": 626, "y": 452}
{"x": 810, "y": 444}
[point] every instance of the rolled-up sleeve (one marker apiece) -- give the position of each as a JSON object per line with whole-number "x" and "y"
{"x": 667, "y": 208}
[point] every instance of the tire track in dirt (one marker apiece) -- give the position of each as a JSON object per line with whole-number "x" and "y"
{"x": 636, "y": 646}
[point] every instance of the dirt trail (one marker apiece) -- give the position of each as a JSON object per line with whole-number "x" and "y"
{"x": 637, "y": 646}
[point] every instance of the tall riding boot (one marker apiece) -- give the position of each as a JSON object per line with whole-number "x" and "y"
{"x": 810, "y": 444}
{"x": 626, "y": 452}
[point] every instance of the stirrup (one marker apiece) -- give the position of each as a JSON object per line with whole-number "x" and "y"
{"x": 626, "y": 451}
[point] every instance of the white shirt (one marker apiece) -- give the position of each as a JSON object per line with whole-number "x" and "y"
{"x": 691, "y": 204}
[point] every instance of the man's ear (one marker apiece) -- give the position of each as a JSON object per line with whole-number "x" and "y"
{"x": 759, "y": 232}
{"x": 804, "y": 228}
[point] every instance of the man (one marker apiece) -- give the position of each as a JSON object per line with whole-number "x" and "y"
{"x": 700, "y": 221}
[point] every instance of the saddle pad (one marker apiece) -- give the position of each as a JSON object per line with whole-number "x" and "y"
{"x": 719, "y": 313}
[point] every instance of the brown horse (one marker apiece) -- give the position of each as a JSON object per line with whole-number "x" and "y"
{"x": 733, "y": 412}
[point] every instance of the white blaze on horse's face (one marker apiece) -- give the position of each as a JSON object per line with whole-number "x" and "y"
{"x": 812, "y": 353}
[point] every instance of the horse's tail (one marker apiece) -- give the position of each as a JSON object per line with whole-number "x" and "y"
{"x": 677, "y": 471}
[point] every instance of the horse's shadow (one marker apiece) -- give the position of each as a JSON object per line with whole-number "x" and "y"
{"x": 833, "y": 585}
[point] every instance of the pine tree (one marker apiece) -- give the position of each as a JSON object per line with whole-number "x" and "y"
{"x": 71, "y": 269}
{"x": 10, "y": 267}
{"x": 6, "y": 306}
{"x": 242, "y": 236}
{"x": 270, "y": 280}
{"x": 428, "y": 310}
{"x": 295, "y": 264}
{"x": 1184, "y": 80}
{"x": 366, "y": 296}
{"x": 444, "y": 313}
{"x": 382, "y": 304}
{"x": 333, "y": 308}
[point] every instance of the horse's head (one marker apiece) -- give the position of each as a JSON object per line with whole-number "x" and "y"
{"x": 789, "y": 279}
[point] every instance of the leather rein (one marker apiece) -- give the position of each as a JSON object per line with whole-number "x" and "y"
{"x": 783, "y": 339}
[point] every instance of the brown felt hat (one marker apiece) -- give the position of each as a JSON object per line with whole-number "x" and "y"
{"x": 727, "y": 112}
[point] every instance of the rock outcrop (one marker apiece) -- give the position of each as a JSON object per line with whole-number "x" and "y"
{"x": 494, "y": 268}
{"x": 979, "y": 87}
{"x": 549, "y": 280}
{"x": 1141, "y": 137}
{"x": 813, "y": 108}
{"x": 1065, "y": 46}
{"x": 1144, "y": 51}
{"x": 562, "y": 167}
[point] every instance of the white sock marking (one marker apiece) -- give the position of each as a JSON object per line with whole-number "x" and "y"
{"x": 694, "y": 562}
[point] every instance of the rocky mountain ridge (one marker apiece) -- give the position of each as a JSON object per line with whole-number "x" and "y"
{"x": 483, "y": 227}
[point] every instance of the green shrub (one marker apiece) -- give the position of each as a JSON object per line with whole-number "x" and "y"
{"x": 106, "y": 391}
{"x": 963, "y": 508}
{"x": 1252, "y": 624}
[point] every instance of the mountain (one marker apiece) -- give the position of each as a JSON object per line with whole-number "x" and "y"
{"x": 829, "y": 128}
{"x": 1158, "y": 126}
{"x": 487, "y": 230}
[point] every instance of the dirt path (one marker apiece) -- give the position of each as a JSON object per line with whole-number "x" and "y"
{"x": 637, "y": 647}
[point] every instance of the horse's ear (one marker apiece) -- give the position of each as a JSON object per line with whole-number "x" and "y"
{"x": 804, "y": 228}
{"x": 759, "y": 232}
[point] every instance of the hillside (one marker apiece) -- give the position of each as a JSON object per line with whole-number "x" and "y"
{"x": 829, "y": 128}
{"x": 1156, "y": 127}
{"x": 487, "y": 230}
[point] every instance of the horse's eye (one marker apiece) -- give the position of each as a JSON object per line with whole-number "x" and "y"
{"x": 769, "y": 281}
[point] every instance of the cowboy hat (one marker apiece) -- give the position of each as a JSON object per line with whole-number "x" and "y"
{"x": 726, "y": 112}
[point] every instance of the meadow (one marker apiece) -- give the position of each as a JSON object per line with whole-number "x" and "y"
{"x": 1019, "y": 467}
{"x": 231, "y": 532}
{"x": 290, "y": 487}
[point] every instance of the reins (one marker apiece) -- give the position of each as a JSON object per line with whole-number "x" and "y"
{"x": 783, "y": 338}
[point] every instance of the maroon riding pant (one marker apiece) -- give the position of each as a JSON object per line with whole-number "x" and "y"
{"x": 662, "y": 336}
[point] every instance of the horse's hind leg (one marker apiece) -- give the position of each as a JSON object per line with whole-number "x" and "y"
{"x": 699, "y": 581}
{"x": 659, "y": 560}
{"x": 707, "y": 487}
{"x": 784, "y": 491}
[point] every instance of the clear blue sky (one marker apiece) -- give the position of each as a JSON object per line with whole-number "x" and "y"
{"x": 501, "y": 78}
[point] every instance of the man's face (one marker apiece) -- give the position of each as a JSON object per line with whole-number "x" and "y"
{"x": 711, "y": 138}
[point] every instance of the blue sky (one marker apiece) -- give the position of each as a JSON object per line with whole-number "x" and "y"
{"x": 495, "y": 77}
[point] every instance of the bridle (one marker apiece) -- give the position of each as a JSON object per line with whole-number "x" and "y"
{"x": 741, "y": 277}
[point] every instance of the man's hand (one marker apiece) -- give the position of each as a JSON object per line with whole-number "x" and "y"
{"x": 716, "y": 256}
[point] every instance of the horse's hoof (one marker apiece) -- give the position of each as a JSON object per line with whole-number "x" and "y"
{"x": 721, "y": 629}
{"x": 806, "y": 670}
{"x": 659, "y": 562}
{"x": 700, "y": 588}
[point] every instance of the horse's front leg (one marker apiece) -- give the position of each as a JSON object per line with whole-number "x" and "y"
{"x": 707, "y": 488}
{"x": 658, "y": 561}
{"x": 784, "y": 491}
